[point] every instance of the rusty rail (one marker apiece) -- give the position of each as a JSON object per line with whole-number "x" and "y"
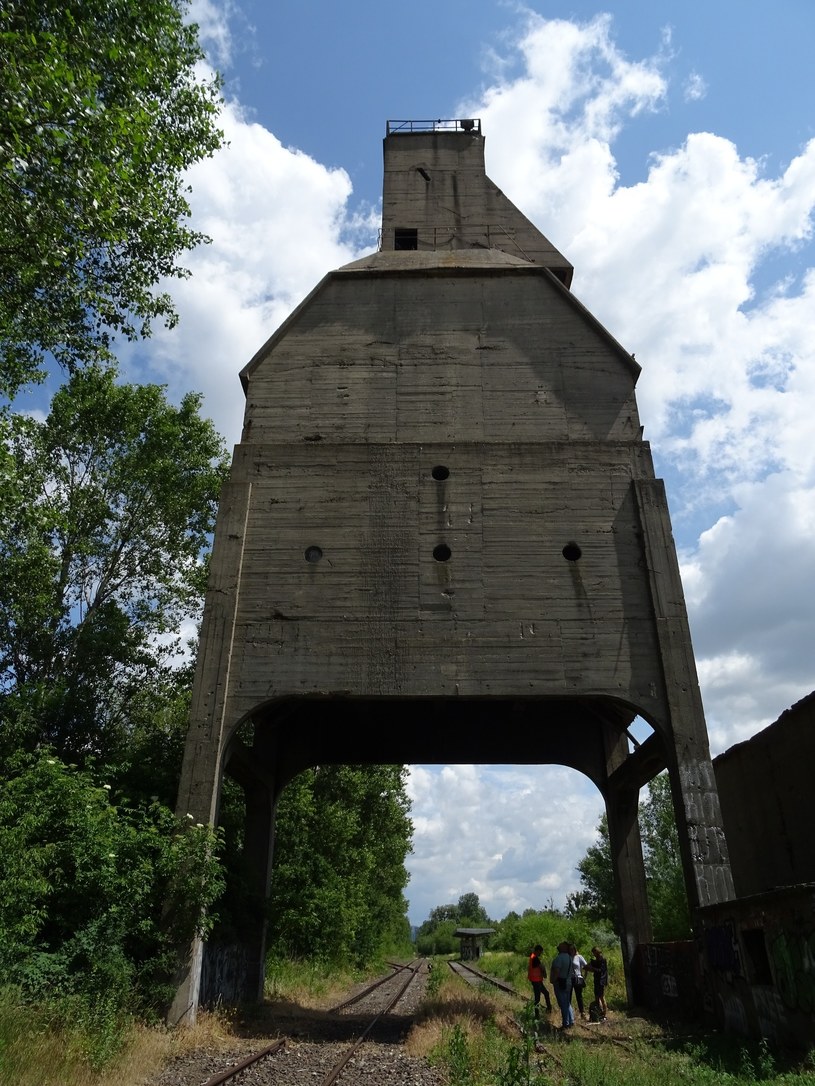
{"x": 225, "y": 1076}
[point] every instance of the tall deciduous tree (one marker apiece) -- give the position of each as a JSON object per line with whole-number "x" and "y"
{"x": 597, "y": 878}
{"x": 667, "y": 899}
{"x": 342, "y": 835}
{"x": 471, "y": 911}
{"x": 102, "y": 112}
{"x": 107, "y": 508}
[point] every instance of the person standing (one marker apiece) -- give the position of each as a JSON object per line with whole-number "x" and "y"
{"x": 598, "y": 967}
{"x": 535, "y": 973}
{"x": 579, "y": 963}
{"x": 560, "y": 975}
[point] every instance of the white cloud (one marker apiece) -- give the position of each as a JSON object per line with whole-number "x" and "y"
{"x": 498, "y": 831}
{"x": 279, "y": 221}
{"x": 695, "y": 88}
{"x": 676, "y": 266}
{"x": 214, "y": 28}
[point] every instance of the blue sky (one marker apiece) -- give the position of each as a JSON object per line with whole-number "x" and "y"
{"x": 665, "y": 149}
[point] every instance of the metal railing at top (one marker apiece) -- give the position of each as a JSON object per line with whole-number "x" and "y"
{"x": 467, "y": 124}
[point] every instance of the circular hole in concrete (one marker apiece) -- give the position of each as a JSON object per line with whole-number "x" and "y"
{"x": 313, "y": 554}
{"x": 442, "y": 553}
{"x": 571, "y": 552}
{"x": 440, "y": 472}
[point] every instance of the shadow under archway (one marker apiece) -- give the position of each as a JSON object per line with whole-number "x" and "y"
{"x": 589, "y": 734}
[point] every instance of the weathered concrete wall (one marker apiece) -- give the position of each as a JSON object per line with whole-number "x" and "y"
{"x": 502, "y": 379}
{"x": 412, "y": 348}
{"x": 765, "y": 786}
{"x": 758, "y": 965}
{"x": 667, "y": 979}
{"x": 435, "y": 183}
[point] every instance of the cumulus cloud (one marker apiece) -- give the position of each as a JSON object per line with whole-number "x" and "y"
{"x": 512, "y": 835}
{"x": 214, "y": 22}
{"x": 678, "y": 267}
{"x": 279, "y": 221}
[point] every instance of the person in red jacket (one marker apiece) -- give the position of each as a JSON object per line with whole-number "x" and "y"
{"x": 535, "y": 972}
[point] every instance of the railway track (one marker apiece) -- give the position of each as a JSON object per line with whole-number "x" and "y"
{"x": 353, "y": 1039}
{"x": 478, "y": 979}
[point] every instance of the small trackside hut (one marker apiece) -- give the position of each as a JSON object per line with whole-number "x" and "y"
{"x": 472, "y": 942}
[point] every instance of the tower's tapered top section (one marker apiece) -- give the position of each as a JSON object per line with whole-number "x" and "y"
{"x": 437, "y": 196}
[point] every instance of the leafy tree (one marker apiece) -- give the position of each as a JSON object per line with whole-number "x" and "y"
{"x": 471, "y": 912}
{"x": 103, "y": 112}
{"x": 435, "y": 935}
{"x": 667, "y": 899}
{"x": 341, "y": 838}
{"x": 441, "y": 914}
{"x": 438, "y": 939}
{"x": 107, "y": 506}
{"x": 95, "y": 897}
{"x": 597, "y": 898}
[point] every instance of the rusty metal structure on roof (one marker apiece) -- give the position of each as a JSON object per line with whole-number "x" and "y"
{"x": 442, "y": 537}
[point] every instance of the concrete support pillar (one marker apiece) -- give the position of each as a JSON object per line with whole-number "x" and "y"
{"x": 184, "y": 1008}
{"x": 622, "y": 806}
{"x": 696, "y": 801}
{"x": 260, "y": 806}
{"x": 702, "y": 843}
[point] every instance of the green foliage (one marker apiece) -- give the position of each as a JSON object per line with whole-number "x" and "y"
{"x": 458, "y": 1057}
{"x": 437, "y": 939}
{"x": 103, "y": 112}
{"x": 547, "y": 927}
{"x": 667, "y": 898}
{"x": 95, "y": 897}
{"x": 435, "y": 936}
{"x": 597, "y": 899}
{"x": 434, "y": 982}
{"x": 518, "y": 1066}
{"x": 471, "y": 913}
{"x": 342, "y": 835}
{"x": 107, "y": 507}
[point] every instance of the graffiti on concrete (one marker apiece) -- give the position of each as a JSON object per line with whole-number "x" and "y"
{"x": 770, "y": 1013}
{"x": 794, "y": 963}
{"x": 661, "y": 962}
{"x": 223, "y": 975}
{"x": 734, "y": 1014}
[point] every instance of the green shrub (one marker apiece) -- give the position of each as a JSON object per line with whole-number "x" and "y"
{"x": 95, "y": 897}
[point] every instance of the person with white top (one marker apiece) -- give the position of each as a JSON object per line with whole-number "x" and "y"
{"x": 579, "y": 963}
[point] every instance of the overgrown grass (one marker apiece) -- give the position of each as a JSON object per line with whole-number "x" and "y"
{"x": 40, "y": 1046}
{"x": 312, "y": 983}
{"x": 60, "y": 1044}
{"x": 483, "y": 1039}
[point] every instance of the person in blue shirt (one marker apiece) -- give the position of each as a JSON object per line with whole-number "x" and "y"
{"x": 560, "y": 975}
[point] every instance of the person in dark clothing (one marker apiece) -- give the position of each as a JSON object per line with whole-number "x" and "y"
{"x": 535, "y": 973}
{"x": 598, "y": 967}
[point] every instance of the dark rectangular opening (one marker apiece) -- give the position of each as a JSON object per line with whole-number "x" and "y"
{"x": 756, "y": 947}
{"x": 404, "y": 238}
